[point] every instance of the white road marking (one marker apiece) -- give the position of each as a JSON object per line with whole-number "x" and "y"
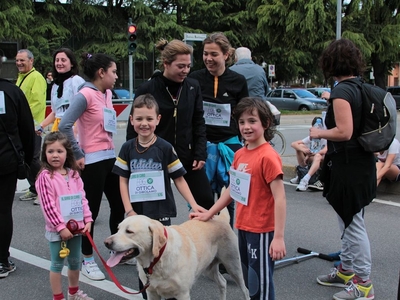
{"x": 105, "y": 285}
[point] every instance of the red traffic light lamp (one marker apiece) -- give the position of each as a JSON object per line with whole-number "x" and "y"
{"x": 132, "y": 38}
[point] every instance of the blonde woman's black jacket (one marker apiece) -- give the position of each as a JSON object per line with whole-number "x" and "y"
{"x": 187, "y": 133}
{"x": 19, "y": 125}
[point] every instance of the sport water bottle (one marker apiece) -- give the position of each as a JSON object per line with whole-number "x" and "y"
{"x": 316, "y": 143}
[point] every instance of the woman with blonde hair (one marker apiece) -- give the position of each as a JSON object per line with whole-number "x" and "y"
{"x": 181, "y": 108}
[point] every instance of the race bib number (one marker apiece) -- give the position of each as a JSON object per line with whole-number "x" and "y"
{"x": 71, "y": 207}
{"x": 110, "y": 120}
{"x": 217, "y": 114}
{"x": 147, "y": 186}
{"x": 239, "y": 186}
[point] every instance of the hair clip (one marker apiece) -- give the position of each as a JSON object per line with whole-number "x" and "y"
{"x": 89, "y": 55}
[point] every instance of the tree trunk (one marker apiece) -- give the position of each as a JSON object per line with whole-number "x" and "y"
{"x": 379, "y": 71}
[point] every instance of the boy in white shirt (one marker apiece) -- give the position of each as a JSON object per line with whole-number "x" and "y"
{"x": 305, "y": 157}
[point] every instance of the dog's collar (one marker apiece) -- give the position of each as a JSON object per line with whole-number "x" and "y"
{"x": 149, "y": 270}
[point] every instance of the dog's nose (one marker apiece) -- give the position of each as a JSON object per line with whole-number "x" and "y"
{"x": 108, "y": 242}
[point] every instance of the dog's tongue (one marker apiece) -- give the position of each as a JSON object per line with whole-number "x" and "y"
{"x": 115, "y": 258}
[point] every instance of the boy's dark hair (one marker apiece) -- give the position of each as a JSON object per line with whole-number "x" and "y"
{"x": 315, "y": 120}
{"x": 70, "y": 161}
{"x": 342, "y": 58}
{"x": 91, "y": 63}
{"x": 252, "y": 105}
{"x": 74, "y": 63}
{"x": 146, "y": 100}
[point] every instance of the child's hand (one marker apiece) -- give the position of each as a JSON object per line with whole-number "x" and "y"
{"x": 66, "y": 234}
{"x": 198, "y": 209}
{"x": 87, "y": 227}
{"x": 277, "y": 250}
{"x": 201, "y": 216}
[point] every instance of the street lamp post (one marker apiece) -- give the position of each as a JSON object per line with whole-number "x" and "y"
{"x": 339, "y": 19}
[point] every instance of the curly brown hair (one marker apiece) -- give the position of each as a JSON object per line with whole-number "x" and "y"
{"x": 342, "y": 58}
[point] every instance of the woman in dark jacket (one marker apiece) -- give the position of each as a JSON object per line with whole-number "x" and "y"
{"x": 16, "y": 125}
{"x": 182, "y": 121}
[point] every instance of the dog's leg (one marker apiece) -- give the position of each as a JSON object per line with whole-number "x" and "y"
{"x": 234, "y": 268}
{"x": 213, "y": 273}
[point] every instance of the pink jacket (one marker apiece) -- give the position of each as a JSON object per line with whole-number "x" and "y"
{"x": 92, "y": 136}
{"x": 49, "y": 190}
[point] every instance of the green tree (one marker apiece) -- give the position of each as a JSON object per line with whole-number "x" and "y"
{"x": 375, "y": 27}
{"x": 15, "y": 19}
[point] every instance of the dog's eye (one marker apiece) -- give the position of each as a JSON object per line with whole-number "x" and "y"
{"x": 129, "y": 231}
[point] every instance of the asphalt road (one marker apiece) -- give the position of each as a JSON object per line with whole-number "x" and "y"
{"x": 311, "y": 224}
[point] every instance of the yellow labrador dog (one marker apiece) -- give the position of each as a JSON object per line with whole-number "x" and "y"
{"x": 173, "y": 257}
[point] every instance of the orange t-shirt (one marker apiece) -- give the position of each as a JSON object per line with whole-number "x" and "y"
{"x": 265, "y": 165}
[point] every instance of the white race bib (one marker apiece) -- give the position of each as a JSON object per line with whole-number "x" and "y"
{"x": 217, "y": 114}
{"x": 239, "y": 186}
{"x": 71, "y": 207}
{"x": 110, "y": 120}
{"x": 2, "y": 104}
{"x": 147, "y": 186}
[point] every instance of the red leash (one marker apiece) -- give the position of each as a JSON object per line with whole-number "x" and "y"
{"x": 110, "y": 272}
{"x": 72, "y": 225}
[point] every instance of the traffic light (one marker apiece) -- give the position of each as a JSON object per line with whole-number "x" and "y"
{"x": 131, "y": 38}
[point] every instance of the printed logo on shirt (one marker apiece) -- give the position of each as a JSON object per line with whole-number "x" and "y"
{"x": 145, "y": 164}
{"x": 225, "y": 94}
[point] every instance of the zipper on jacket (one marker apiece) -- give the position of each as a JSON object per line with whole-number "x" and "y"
{"x": 175, "y": 101}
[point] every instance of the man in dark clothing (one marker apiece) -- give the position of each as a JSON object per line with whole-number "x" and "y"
{"x": 16, "y": 127}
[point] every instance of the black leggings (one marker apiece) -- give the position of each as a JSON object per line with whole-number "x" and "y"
{"x": 98, "y": 178}
{"x": 8, "y": 183}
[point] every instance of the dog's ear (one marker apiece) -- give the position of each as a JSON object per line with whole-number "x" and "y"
{"x": 159, "y": 239}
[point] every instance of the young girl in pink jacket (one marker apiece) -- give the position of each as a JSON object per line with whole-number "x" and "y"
{"x": 62, "y": 198}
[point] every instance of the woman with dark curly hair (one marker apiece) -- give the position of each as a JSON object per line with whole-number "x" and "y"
{"x": 349, "y": 172}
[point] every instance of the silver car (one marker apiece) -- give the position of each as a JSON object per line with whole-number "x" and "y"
{"x": 295, "y": 99}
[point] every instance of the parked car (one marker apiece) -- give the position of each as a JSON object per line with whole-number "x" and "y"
{"x": 318, "y": 91}
{"x": 295, "y": 99}
{"x": 121, "y": 93}
{"x": 395, "y": 91}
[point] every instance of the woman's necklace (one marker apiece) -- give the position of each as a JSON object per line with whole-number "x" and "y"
{"x": 145, "y": 148}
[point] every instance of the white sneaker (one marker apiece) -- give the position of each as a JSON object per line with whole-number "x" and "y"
{"x": 91, "y": 270}
{"x": 303, "y": 186}
{"x": 294, "y": 180}
{"x": 79, "y": 296}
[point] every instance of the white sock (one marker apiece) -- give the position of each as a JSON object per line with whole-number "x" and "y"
{"x": 87, "y": 260}
{"x": 306, "y": 178}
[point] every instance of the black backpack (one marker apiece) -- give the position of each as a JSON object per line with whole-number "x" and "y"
{"x": 379, "y": 117}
